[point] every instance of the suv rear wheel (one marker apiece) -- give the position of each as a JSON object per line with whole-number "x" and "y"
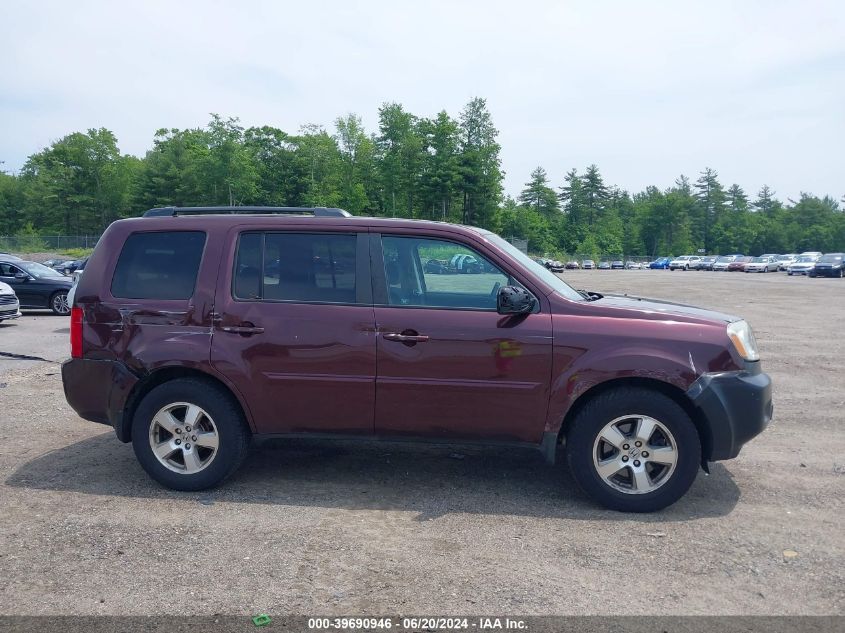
{"x": 633, "y": 449}
{"x": 189, "y": 435}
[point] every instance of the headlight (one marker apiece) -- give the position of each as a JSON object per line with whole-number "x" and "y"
{"x": 743, "y": 339}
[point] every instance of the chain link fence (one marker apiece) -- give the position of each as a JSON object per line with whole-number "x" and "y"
{"x": 45, "y": 243}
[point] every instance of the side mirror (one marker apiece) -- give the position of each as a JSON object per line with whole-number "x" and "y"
{"x": 514, "y": 300}
{"x": 21, "y": 276}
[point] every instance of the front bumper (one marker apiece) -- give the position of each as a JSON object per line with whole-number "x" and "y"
{"x": 734, "y": 407}
{"x": 826, "y": 272}
{"x": 10, "y": 312}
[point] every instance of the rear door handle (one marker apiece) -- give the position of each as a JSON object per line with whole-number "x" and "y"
{"x": 405, "y": 338}
{"x": 246, "y": 330}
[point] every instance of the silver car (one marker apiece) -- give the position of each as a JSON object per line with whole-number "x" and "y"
{"x": 802, "y": 266}
{"x": 10, "y": 307}
{"x": 762, "y": 264}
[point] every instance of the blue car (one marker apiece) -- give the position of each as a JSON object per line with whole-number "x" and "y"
{"x": 660, "y": 262}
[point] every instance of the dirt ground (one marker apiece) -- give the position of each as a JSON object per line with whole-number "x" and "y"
{"x": 355, "y": 528}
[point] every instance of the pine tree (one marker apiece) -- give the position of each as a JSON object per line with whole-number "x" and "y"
{"x": 538, "y": 195}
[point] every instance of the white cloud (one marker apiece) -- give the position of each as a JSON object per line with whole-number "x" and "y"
{"x": 646, "y": 90}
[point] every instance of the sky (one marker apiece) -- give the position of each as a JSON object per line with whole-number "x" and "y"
{"x": 646, "y": 90}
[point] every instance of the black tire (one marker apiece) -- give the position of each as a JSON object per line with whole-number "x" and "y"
{"x": 233, "y": 432}
{"x": 606, "y": 407}
{"x": 59, "y": 306}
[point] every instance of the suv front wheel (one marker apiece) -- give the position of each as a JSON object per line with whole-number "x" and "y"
{"x": 633, "y": 450}
{"x": 189, "y": 435}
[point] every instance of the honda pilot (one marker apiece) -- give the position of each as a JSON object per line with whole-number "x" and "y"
{"x": 195, "y": 330}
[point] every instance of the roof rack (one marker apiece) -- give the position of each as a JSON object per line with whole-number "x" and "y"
{"x": 325, "y": 212}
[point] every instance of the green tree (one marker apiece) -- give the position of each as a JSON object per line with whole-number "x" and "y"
{"x": 480, "y": 165}
{"x": 539, "y": 195}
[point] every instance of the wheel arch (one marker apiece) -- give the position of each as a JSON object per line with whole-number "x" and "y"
{"x": 666, "y": 388}
{"x": 165, "y": 374}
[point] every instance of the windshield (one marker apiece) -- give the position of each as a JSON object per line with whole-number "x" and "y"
{"x": 757, "y": 260}
{"x": 560, "y": 286}
{"x": 806, "y": 260}
{"x": 724, "y": 259}
{"x": 831, "y": 259}
{"x": 39, "y": 270}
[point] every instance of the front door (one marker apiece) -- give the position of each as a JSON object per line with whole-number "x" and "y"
{"x": 294, "y": 330}
{"x": 26, "y": 289}
{"x": 450, "y": 366}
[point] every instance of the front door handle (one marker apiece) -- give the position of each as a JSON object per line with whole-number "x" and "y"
{"x": 405, "y": 337}
{"x": 245, "y": 329}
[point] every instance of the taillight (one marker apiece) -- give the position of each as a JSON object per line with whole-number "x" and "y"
{"x": 76, "y": 332}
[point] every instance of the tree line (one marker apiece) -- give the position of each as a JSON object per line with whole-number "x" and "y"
{"x": 439, "y": 168}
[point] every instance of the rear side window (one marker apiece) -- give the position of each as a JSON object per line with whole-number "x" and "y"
{"x": 158, "y": 265}
{"x": 305, "y": 267}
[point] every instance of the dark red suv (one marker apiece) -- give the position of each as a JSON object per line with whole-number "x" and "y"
{"x": 195, "y": 329}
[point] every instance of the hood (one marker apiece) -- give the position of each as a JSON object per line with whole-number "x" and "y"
{"x": 660, "y": 309}
{"x": 6, "y": 289}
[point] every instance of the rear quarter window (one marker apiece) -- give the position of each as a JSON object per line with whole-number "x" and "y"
{"x": 158, "y": 265}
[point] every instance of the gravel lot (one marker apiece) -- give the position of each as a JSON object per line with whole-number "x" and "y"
{"x": 357, "y": 528}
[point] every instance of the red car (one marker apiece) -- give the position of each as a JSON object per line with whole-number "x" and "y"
{"x": 195, "y": 330}
{"x": 738, "y": 265}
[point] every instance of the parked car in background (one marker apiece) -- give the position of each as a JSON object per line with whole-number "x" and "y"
{"x": 785, "y": 260}
{"x": 555, "y": 266}
{"x": 762, "y": 264}
{"x": 572, "y": 265}
{"x": 604, "y": 265}
{"x": 52, "y": 263}
{"x": 68, "y": 268}
{"x": 632, "y": 265}
{"x": 815, "y": 254}
{"x": 661, "y": 263}
{"x": 9, "y": 304}
{"x": 738, "y": 264}
{"x": 588, "y": 264}
{"x": 829, "y": 265}
{"x": 6, "y": 257}
{"x": 175, "y": 344}
{"x": 803, "y": 265}
{"x": 684, "y": 262}
{"x": 721, "y": 263}
{"x": 36, "y": 286}
{"x": 706, "y": 263}
{"x": 617, "y": 264}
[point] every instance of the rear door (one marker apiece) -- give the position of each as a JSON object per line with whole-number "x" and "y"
{"x": 450, "y": 366}
{"x": 294, "y": 329}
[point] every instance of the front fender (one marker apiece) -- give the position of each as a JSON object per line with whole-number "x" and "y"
{"x": 594, "y": 368}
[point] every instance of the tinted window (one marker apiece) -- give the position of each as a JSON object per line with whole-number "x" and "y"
{"x": 317, "y": 267}
{"x": 158, "y": 265}
{"x": 435, "y": 273}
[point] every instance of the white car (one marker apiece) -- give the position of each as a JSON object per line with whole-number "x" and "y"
{"x": 803, "y": 265}
{"x": 762, "y": 264}
{"x": 75, "y": 276}
{"x": 10, "y": 307}
{"x": 785, "y": 260}
{"x": 722, "y": 262}
{"x": 684, "y": 262}
{"x": 815, "y": 254}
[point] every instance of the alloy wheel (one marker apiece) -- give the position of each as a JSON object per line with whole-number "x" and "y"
{"x": 635, "y": 454}
{"x": 184, "y": 438}
{"x": 59, "y": 304}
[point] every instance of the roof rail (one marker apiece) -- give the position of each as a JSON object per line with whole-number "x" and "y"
{"x": 325, "y": 212}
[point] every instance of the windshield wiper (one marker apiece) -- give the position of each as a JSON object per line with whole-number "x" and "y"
{"x": 590, "y": 296}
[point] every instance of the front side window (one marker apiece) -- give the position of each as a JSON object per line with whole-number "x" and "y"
{"x": 435, "y": 273}
{"x": 302, "y": 267}
{"x": 158, "y": 265}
